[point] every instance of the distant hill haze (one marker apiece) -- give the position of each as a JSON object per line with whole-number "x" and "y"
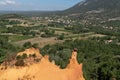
{"x": 92, "y": 9}
{"x": 107, "y": 8}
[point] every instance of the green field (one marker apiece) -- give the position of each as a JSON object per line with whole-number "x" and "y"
{"x": 14, "y": 38}
{"x": 59, "y": 29}
{"x": 2, "y": 29}
{"x": 79, "y": 35}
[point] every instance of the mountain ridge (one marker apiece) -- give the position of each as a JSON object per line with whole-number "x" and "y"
{"x": 88, "y": 5}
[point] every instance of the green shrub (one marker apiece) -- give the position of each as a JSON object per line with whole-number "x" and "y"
{"x": 24, "y": 56}
{"x": 27, "y": 45}
{"x": 20, "y": 62}
{"x": 18, "y": 57}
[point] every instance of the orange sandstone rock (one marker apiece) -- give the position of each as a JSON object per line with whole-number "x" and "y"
{"x": 44, "y": 70}
{"x": 30, "y": 51}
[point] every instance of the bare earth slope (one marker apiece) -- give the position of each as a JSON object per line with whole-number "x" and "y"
{"x": 43, "y": 70}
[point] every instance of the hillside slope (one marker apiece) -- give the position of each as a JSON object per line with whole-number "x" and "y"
{"x": 90, "y": 5}
{"x": 102, "y": 13}
{"x": 94, "y": 10}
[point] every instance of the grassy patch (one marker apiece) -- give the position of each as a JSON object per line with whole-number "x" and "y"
{"x": 79, "y": 35}
{"x": 2, "y": 29}
{"x": 59, "y": 29}
{"x": 15, "y": 38}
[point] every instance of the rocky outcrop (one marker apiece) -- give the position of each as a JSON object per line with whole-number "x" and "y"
{"x": 44, "y": 69}
{"x": 30, "y": 51}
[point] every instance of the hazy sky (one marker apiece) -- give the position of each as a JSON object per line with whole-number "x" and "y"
{"x": 36, "y": 4}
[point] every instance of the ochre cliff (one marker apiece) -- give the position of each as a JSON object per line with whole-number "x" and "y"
{"x": 43, "y": 70}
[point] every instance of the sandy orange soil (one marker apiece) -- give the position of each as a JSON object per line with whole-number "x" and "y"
{"x": 44, "y": 70}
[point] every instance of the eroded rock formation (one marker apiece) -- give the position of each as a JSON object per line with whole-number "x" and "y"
{"x": 43, "y": 70}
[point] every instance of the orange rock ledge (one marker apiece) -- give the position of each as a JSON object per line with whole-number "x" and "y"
{"x": 43, "y": 70}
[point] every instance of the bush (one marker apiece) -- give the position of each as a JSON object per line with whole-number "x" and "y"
{"x": 34, "y": 55}
{"x": 24, "y": 56}
{"x": 18, "y": 57}
{"x": 35, "y": 45}
{"x": 61, "y": 37}
{"x": 20, "y": 62}
{"x": 37, "y": 60}
{"x": 27, "y": 45}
